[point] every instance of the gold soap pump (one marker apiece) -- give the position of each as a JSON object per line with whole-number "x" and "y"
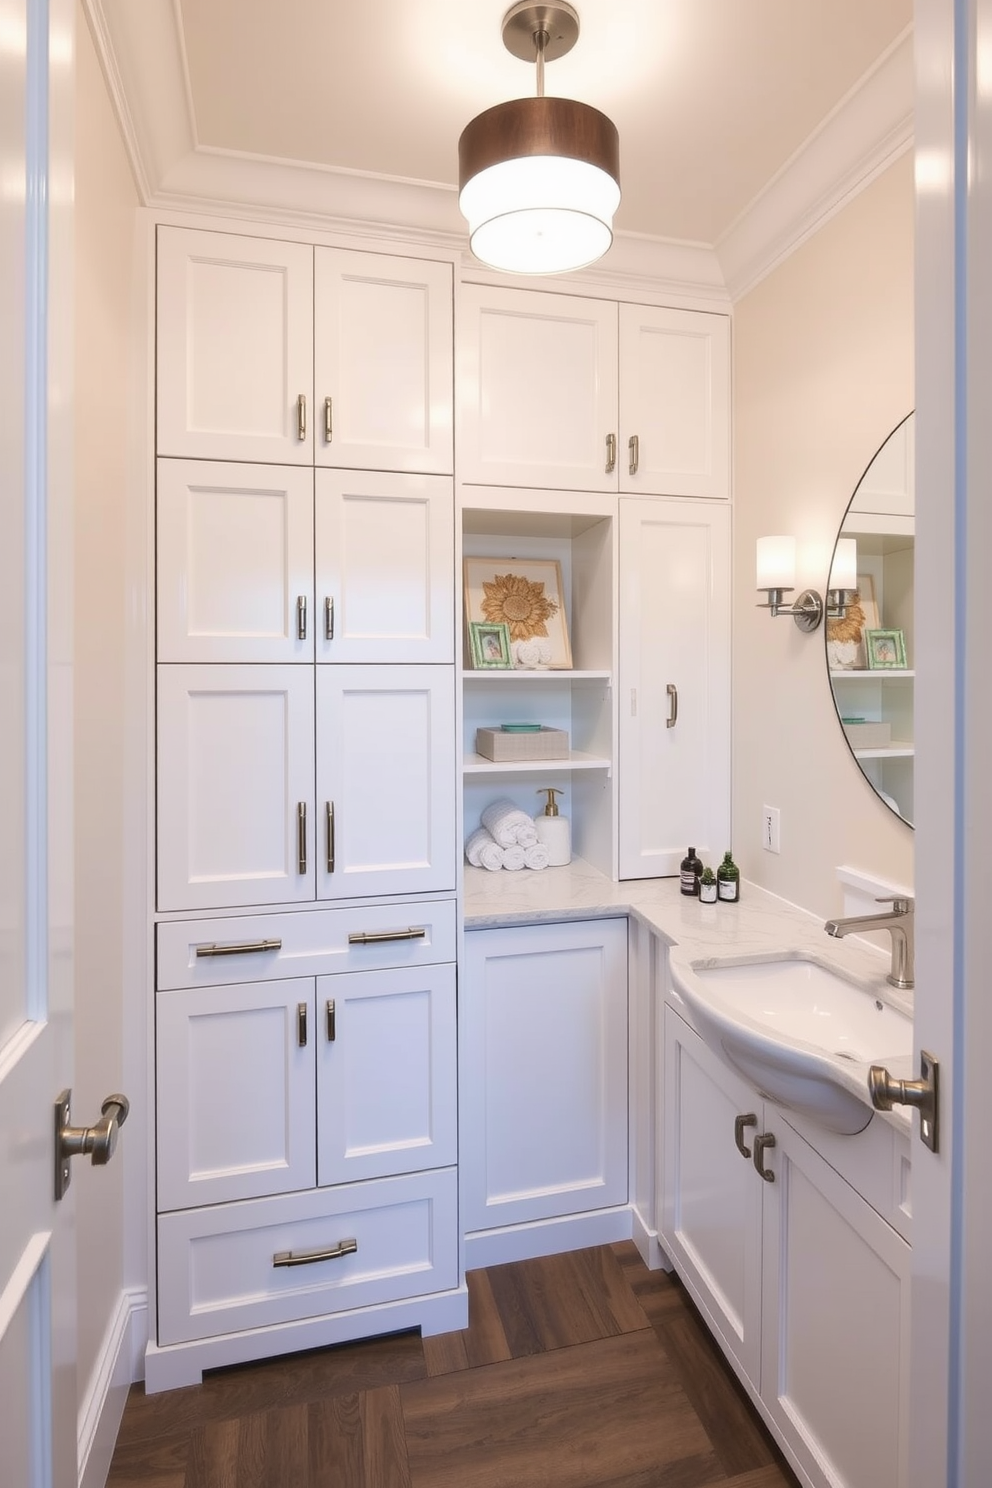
{"x": 554, "y": 830}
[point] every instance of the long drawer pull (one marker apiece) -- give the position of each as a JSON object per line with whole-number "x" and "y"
{"x": 611, "y": 453}
{"x": 311, "y": 1257}
{"x": 673, "y": 705}
{"x": 332, "y": 1025}
{"x": 238, "y": 947}
{"x": 328, "y": 619}
{"x": 301, "y": 617}
{"x": 382, "y": 937}
{"x": 740, "y": 1122}
{"x": 634, "y": 451}
{"x": 328, "y": 420}
{"x": 301, "y": 1024}
{"x": 301, "y": 417}
{"x": 329, "y": 813}
{"x": 301, "y": 837}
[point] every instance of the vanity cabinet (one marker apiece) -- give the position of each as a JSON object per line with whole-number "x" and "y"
{"x": 569, "y": 393}
{"x": 787, "y": 1268}
{"x": 674, "y": 683}
{"x": 273, "y": 351}
{"x": 543, "y": 1090}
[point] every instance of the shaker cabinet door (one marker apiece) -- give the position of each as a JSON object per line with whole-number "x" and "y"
{"x": 382, "y": 361}
{"x": 235, "y": 786}
{"x": 235, "y": 562}
{"x": 235, "y": 347}
{"x": 674, "y": 776}
{"x": 386, "y": 780}
{"x": 384, "y": 567}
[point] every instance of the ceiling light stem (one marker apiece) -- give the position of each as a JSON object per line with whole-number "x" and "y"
{"x": 540, "y": 41}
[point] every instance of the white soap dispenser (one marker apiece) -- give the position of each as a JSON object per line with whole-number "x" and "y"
{"x": 553, "y": 830}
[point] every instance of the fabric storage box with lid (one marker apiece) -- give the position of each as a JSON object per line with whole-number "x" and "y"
{"x": 504, "y": 745}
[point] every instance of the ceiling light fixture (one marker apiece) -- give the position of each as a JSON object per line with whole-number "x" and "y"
{"x": 539, "y": 178}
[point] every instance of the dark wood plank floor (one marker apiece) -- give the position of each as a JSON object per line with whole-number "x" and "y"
{"x": 583, "y": 1370}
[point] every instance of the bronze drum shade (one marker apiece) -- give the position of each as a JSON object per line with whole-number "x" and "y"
{"x": 538, "y": 126}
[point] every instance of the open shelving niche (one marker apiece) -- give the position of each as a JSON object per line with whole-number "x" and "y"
{"x": 579, "y": 530}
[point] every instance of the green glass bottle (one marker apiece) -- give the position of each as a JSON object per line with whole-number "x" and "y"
{"x": 728, "y": 880}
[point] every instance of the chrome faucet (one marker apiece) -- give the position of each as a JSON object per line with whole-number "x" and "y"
{"x": 899, "y": 923}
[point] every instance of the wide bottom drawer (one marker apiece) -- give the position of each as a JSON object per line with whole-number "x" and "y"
{"x": 231, "y": 1267}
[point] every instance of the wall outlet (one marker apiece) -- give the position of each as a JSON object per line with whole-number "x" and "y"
{"x": 771, "y": 829}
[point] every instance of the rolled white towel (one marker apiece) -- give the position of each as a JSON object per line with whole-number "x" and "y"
{"x": 483, "y": 852}
{"x": 536, "y": 856}
{"x": 514, "y": 857}
{"x": 508, "y": 824}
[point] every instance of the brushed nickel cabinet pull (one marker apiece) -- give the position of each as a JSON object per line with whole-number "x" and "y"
{"x": 301, "y": 417}
{"x": 310, "y": 1257}
{"x": 634, "y": 450}
{"x": 332, "y": 1031}
{"x": 673, "y": 705}
{"x": 611, "y": 453}
{"x": 330, "y": 836}
{"x": 329, "y": 618}
{"x": 238, "y": 947}
{"x": 301, "y": 1024}
{"x": 740, "y": 1122}
{"x": 328, "y": 420}
{"x": 301, "y": 837}
{"x": 301, "y": 617}
{"x": 760, "y": 1143}
{"x": 383, "y": 937}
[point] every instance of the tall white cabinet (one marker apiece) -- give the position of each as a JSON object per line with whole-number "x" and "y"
{"x": 305, "y": 1055}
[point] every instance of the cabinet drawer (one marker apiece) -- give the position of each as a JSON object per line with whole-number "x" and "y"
{"x": 217, "y": 1271}
{"x": 312, "y": 944}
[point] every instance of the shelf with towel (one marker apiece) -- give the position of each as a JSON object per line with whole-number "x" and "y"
{"x": 538, "y": 675}
{"x": 477, "y": 764}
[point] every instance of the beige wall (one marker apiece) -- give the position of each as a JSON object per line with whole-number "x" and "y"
{"x": 104, "y": 222}
{"x": 823, "y": 370}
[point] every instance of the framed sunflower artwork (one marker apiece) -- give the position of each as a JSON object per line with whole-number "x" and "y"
{"x": 525, "y": 595}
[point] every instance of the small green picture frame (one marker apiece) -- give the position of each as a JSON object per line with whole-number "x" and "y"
{"x": 490, "y": 644}
{"x": 885, "y": 650}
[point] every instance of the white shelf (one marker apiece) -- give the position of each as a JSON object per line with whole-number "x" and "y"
{"x": 890, "y": 751}
{"x": 477, "y": 764}
{"x": 549, "y": 674}
{"x": 877, "y": 674}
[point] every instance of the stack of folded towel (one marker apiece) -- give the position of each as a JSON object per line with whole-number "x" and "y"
{"x": 506, "y": 839}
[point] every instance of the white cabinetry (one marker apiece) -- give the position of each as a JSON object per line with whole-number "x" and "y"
{"x": 581, "y": 394}
{"x": 544, "y": 1088}
{"x": 272, "y": 351}
{"x": 791, "y": 1270}
{"x": 301, "y": 1120}
{"x": 674, "y": 692}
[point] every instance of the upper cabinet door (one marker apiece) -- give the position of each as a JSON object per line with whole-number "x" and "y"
{"x": 674, "y": 402}
{"x": 384, "y": 566}
{"x": 537, "y": 390}
{"x": 235, "y": 347}
{"x": 235, "y": 786}
{"x": 386, "y": 780}
{"x": 382, "y": 362}
{"x": 235, "y": 562}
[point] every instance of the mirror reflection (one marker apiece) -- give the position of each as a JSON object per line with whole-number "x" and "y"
{"x": 869, "y": 630}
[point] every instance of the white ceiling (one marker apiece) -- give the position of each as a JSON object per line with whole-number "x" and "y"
{"x": 713, "y": 99}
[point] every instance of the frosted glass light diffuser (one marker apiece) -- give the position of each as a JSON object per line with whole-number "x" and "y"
{"x": 776, "y": 563}
{"x": 844, "y": 570}
{"x": 540, "y": 214}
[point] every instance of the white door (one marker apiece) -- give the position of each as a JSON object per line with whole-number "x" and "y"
{"x": 382, "y": 362}
{"x": 537, "y": 390}
{"x": 674, "y": 683}
{"x": 234, "y": 562}
{"x": 37, "y": 1297}
{"x": 386, "y": 1073}
{"x": 674, "y": 402}
{"x": 386, "y": 780}
{"x": 235, "y": 347}
{"x": 235, "y": 786}
{"x": 384, "y": 558}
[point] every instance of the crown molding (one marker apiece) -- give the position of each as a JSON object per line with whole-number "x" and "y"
{"x": 142, "y": 53}
{"x": 868, "y": 131}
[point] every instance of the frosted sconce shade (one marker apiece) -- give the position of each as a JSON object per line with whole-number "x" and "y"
{"x": 844, "y": 572}
{"x": 776, "y": 562}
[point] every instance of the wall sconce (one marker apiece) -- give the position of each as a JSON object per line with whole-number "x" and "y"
{"x": 777, "y": 575}
{"x": 842, "y": 586}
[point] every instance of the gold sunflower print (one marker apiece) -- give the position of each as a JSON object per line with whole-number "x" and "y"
{"x": 520, "y": 604}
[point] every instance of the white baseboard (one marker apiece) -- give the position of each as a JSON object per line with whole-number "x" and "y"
{"x": 523, "y": 1242}
{"x": 117, "y": 1368}
{"x": 648, "y": 1244}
